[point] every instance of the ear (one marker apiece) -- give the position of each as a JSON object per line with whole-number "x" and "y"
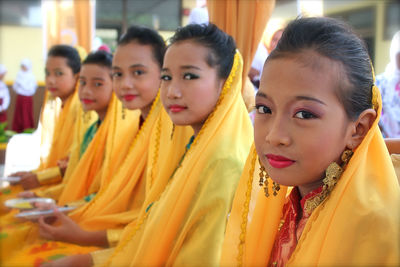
{"x": 220, "y": 85}
{"x": 361, "y": 127}
{"x": 76, "y": 76}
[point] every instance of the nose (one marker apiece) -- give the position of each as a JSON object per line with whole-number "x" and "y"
{"x": 126, "y": 83}
{"x": 173, "y": 91}
{"x": 50, "y": 80}
{"x": 278, "y": 132}
{"x": 84, "y": 90}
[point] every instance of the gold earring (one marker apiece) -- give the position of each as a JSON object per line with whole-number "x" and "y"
{"x": 123, "y": 113}
{"x": 332, "y": 175}
{"x": 275, "y": 188}
{"x": 263, "y": 182}
{"x": 173, "y": 130}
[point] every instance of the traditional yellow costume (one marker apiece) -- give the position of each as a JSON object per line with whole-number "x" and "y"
{"x": 85, "y": 177}
{"x": 184, "y": 216}
{"x": 396, "y": 164}
{"x": 356, "y": 225}
{"x": 57, "y": 125}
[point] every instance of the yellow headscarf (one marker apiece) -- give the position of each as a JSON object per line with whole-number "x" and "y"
{"x": 184, "y": 215}
{"x": 64, "y": 120}
{"x": 86, "y": 176}
{"x": 357, "y": 225}
{"x": 120, "y": 198}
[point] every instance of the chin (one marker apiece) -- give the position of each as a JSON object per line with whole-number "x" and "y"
{"x": 131, "y": 106}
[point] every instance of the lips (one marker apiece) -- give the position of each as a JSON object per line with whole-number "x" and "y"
{"x": 87, "y": 101}
{"x": 176, "y": 108}
{"x": 129, "y": 97}
{"x": 277, "y": 161}
{"x": 52, "y": 89}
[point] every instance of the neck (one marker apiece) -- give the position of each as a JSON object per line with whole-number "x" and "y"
{"x": 145, "y": 111}
{"x": 307, "y": 188}
{"x": 64, "y": 99}
{"x": 101, "y": 114}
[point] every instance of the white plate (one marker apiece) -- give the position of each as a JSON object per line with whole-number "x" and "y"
{"x": 26, "y": 203}
{"x": 34, "y": 215}
{"x": 11, "y": 179}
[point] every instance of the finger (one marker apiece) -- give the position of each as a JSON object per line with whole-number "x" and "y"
{"x": 46, "y": 230}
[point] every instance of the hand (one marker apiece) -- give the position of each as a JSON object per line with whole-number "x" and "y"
{"x": 63, "y": 164}
{"x": 66, "y": 229}
{"x": 27, "y": 194}
{"x": 17, "y": 174}
{"x": 80, "y": 260}
{"x": 29, "y": 180}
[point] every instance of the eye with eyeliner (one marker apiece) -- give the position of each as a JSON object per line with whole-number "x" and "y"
{"x": 116, "y": 74}
{"x": 263, "y": 109}
{"x": 165, "y": 77}
{"x": 305, "y": 114}
{"x": 190, "y": 76}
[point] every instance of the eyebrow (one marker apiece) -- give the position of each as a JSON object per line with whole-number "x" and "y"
{"x": 309, "y": 98}
{"x": 94, "y": 78}
{"x": 185, "y": 67}
{"x": 261, "y": 94}
{"x": 300, "y": 97}
{"x": 137, "y": 65}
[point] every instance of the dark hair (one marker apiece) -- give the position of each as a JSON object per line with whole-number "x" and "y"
{"x": 69, "y": 53}
{"x": 335, "y": 40}
{"x": 100, "y": 57}
{"x": 145, "y": 36}
{"x": 221, "y": 44}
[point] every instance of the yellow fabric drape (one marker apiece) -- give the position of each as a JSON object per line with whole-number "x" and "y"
{"x": 86, "y": 176}
{"x": 245, "y": 21}
{"x": 120, "y": 198}
{"x": 183, "y": 219}
{"x": 357, "y": 225}
{"x": 62, "y": 137}
{"x": 87, "y": 172}
{"x": 396, "y": 164}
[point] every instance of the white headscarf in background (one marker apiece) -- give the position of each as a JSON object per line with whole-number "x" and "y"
{"x": 4, "y": 93}
{"x": 25, "y": 83}
{"x": 389, "y": 84}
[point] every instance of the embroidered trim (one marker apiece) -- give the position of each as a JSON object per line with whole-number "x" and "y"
{"x": 245, "y": 213}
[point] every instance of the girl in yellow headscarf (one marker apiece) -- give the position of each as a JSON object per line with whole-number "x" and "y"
{"x": 95, "y": 93}
{"x": 136, "y": 78}
{"x": 61, "y": 113}
{"x": 329, "y": 195}
{"x": 183, "y": 218}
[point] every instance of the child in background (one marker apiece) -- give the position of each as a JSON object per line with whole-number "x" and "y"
{"x": 4, "y": 95}
{"x": 25, "y": 86}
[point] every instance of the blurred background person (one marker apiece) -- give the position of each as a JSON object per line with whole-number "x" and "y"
{"x": 4, "y": 95}
{"x": 389, "y": 84}
{"x": 25, "y": 87}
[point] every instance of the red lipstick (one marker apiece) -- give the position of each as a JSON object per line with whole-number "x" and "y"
{"x": 87, "y": 101}
{"x": 176, "y": 108}
{"x": 277, "y": 161}
{"x": 129, "y": 97}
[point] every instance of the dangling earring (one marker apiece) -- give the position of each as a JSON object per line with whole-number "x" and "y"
{"x": 332, "y": 175}
{"x": 173, "y": 130}
{"x": 275, "y": 188}
{"x": 263, "y": 182}
{"x": 334, "y": 172}
{"x": 123, "y": 113}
